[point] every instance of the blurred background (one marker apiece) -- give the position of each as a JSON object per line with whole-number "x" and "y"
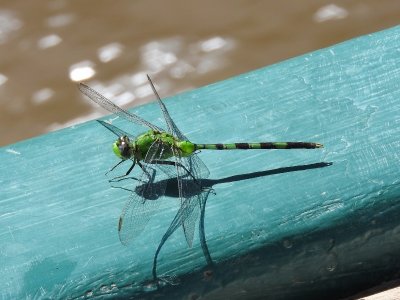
{"x": 47, "y": 46}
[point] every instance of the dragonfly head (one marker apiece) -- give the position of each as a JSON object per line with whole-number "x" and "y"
{"x": 123, "y": 148}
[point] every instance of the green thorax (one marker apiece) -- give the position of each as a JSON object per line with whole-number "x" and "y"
{"x": 144, "y": 141}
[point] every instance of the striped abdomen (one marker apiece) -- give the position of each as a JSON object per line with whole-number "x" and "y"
{"x": 267, "y": 145}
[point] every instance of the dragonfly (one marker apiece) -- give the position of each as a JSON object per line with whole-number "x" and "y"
{"x": 162, "y": 155}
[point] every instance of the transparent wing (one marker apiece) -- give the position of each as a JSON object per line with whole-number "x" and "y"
{"x": 190, "y": 215}
{"x": 196, "y": 166}
{"x": 134, "y": 217}
{"x": 144, "y": 202}
{"x": 193, "y": 163}
{"x": 118, "y": 132}
{"x": 183, "y": 214}
{"x": 111, "y": 107}
{"x": 172, "y": 128}
{"x": 187, "y": 186}
{"x": 186, "y": 167}
{"x": 187, "y": 180}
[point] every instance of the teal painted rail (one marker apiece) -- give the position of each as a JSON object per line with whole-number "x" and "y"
{"x": 281, "y": 225}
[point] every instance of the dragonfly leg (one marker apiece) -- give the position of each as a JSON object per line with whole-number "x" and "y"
{"x": 130, "y": 169}
{"x": 122, "y": 177}
{"x": 120, "y": 162}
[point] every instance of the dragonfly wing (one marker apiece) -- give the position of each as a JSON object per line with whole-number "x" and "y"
{"x": 191, "y": 168}
{"x": 188, "y": 191}
{"x": 118, "y": 132}
{"x": 192, "y": 191}
{"x": 111, "y": 107}
{"x": 172, "y": 128}
{"x": 134, "y": 217}
{"x": 189, "y": 187}
{"x": 184, "y": 212}
{"x": 195, "y": 165}
{"x": 190, "y": 215}
{"x": 144, "y": 201}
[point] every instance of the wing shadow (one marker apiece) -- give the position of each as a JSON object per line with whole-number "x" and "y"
{"x": 201, "y": 192}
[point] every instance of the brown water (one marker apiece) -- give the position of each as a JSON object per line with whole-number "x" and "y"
{"x": 46, "y": 46}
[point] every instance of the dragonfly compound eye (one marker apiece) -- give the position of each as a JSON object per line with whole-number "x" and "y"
{"x": 122, "y": 147}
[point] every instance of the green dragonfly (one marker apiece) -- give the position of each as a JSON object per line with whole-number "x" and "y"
{"x": 164, "y": 155}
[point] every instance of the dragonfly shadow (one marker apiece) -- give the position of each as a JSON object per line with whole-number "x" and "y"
{"x": 194, "y": 189}
{"x": 247, "y": 176}
{"x": 201, "y": 190}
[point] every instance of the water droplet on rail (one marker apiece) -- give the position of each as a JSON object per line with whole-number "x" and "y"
{"x": 287, "y": 244}
{"x": 331, "y": 263}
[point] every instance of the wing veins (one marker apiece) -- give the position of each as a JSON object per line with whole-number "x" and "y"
{"x": 113, "y": 108}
